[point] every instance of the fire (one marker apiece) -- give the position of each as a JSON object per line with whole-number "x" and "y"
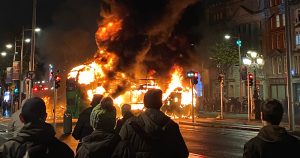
{"x": 100, "y": 76}
{"x": 176, "y": 81}
{"x": 109, "y": 30}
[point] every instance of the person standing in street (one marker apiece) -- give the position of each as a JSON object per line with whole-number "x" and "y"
{"x": 102, "y": 141}
{"x": 272, "y": 141}
{"x": 37, "y": 138}
{"x": 126, "y": 113}
{"x": 83, "y": 127}
{"x": 152, "y": 134}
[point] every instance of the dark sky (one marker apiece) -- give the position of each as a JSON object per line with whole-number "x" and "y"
{"x": 69, "y": 26}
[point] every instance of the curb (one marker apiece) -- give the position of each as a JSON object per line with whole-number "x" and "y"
{"x": 222, "y": 125}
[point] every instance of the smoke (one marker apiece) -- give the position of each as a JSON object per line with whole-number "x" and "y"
{"x": 69, "y": 40}
{"x": 145, "y": 41}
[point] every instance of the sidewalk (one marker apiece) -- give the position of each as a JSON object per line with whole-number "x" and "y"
{"x": 230, "y": 120}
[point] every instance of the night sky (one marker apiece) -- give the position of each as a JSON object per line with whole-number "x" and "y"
{"x": 68, "y": 26}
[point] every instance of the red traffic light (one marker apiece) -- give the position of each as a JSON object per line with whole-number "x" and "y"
{"x": 250, "y": 76}
{"x": 196, "y": 74}
{"x": 57, "y": 78}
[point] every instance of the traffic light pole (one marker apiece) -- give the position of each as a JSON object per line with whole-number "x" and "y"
{"x": 221, "y": 95}
{"x": 54, "y": 104}
{"x": 248, "y": 96}
{"x": 193, "y": 108}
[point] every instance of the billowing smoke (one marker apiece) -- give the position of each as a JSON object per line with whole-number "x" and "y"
{"x": 146, "y": 40}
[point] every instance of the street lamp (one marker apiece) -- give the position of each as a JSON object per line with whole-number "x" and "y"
{"x": 253, "y": 60}
{"x": 239, "y": 44}
{"x": 3, "y": 54}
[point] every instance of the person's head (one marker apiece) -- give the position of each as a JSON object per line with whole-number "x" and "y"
{"x": 272, "y": 112}
{"x": 103, "y": 116}
{"x": 33, "y": 110}
{"x": 153, "y": 99}
{"x": 96, "y": 99}
{"x": 125, "y": 109}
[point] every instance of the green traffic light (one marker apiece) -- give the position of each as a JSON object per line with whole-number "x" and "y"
{"x": 239, "y": 42}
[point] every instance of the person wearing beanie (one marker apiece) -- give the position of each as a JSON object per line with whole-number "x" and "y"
{"x": 103, "y": 140}
{"x": 272, "y": 140}
{"x": 83, "y": 127}
{"x": 36, "y": 138}
{"x": 152, "y": 134}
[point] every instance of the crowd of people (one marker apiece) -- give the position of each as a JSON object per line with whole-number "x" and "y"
{"x": 151, "y": 134}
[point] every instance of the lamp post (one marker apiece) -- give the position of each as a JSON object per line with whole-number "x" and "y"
{"x": 9, "y": 46}
{"x": 239, "y": 44}
{"x": 253, "y": 60}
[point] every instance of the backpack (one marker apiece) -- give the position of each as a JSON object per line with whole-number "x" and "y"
{"x": 30, "y": 149}
{"x": 124, "y": 149}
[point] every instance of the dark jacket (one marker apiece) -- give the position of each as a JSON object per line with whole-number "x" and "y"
{"x": 272, "y": 142}
{"x": 83, "y": 127}
{"x": 42, "y": 134}
{"x": 120, "y": 122}
{"x": 98, "y": 144}
{"x": 161, "y": 138}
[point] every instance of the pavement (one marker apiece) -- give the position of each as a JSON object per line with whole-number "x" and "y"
{"x": 232, "y": 121}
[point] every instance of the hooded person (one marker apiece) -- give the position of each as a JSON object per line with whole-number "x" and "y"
{"x": 126, "y": 113}
{"x": 152, "y": 134}
{"x": 36, "y": 138}
{"x": 102, "y": 141}
{"x": 83, "y": 127}
{"x": 16, "y": 124}
{"x": 272, "y": 139}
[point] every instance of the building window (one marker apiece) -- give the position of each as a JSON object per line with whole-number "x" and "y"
{"x": 297, "y": 38}
{"x": 297, "y": 64}
{"x": 274, "y": 65}
{"x": 277, "y": 21}
{"x": 279, "y": 64}
{"x": 297, "y": 15}
{"x": 284, "y": 64}
{"x": 283, "y": 19}
{"x": 274, "y": 41}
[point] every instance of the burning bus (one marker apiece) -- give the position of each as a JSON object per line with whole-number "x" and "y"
{"x": 126, "y": 53}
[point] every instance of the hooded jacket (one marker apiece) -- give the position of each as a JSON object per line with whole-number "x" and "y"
{"x": 272, "y": 141}
{"x": 122, "y": 121}
{"x": 83, "y": 127}
{"x": 158, "y": 136}
{"x": 42, "y": 134}
{"x": 98, "y": 144}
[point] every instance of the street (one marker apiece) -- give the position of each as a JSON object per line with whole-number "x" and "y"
{"x": 213, "y": 142}
{"x": 208, "y": 142}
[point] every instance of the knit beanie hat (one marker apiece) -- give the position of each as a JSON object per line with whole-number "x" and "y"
{"x": 153, "y": 99}
{"x": 34, "y": 110}
{"x": 103, "y": 116}
{"x": 96, "y": 99}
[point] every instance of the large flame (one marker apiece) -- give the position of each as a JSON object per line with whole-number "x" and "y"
{"x": 99, "y": 75}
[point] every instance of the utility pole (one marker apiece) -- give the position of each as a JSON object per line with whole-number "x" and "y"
{"x": 291, "y": 116}
{"x": 32, "y": 54}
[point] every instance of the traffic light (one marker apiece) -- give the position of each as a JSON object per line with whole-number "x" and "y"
{"x": 57, "y": 82}
{"x": 195, "y": 79}
{"x": 250, "y": 76}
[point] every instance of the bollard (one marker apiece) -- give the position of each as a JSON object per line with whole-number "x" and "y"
{"x": 67, "y": 123}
